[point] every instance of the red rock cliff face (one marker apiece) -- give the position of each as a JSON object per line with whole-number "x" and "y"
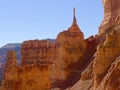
{"x": 111, "y": 14}
{"x": 105, "y": 70}
{"x": 70, "y": 46}
{"x": 37, "y": 51}
{"x": 72, "y": 56}
{"x": 106, "y": 54}
{"x": 72, "y": 63}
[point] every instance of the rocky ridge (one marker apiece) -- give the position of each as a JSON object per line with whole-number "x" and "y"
{"x": 72, "y": 62}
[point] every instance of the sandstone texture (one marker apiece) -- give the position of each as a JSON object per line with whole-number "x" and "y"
{"x": 106, "y": 54}
{"x": 37, "y": 51}
{"x": 112, "y": 79}
{"x": 25, "y": 77}
{"x": 111, "y": 14}
{"x": 3, "y": 55}
{"x": 70, "y": 46}
{"x": 72, "y": 62}
{"x": 86, "y": 80}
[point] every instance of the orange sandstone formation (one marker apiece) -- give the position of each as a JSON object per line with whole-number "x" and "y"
{"x": 105, "y": 70}
{"x": 106, "y": 54}
{"x": 25, "y": 77}
{"x": 111, "y": 14}
{"x": 72, "y": 62}
{"x": 112, "y": 79}
{"x": 70, "y": 57}
{"x": 11, "y": 72}
{"x": 70, "y": 46}
{"x": 35, "y": 51}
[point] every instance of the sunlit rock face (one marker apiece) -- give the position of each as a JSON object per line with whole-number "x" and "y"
{"x": 37, "y": 51}
{"x": 111, "y": 80}
{"x": 34, "y": 77}
{"x": 104, "y": 69}
{"x": 25, "y": 77}
{"x": 72, "y": 62}
{"x": 70, "y": 46}
{"x": 11, "y": 72}
{"x": 106, "y": 54}
{"x": 102, "y": 72}
{"x": 111, "y": 14}
{"x": 109, "y": 50}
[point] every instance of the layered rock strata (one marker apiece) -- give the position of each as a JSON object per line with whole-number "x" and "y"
{"x": 72, "y": 63}
{"x": 25, "y": 77}
{"x": 37, "y": 51}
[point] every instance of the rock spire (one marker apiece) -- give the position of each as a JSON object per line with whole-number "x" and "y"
{"x": 11, "y": 58}
{"x": 74, "y": 27}
{"x": 74, "y": 17}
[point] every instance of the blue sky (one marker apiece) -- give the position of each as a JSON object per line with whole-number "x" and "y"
{"x": 22, "y": 20}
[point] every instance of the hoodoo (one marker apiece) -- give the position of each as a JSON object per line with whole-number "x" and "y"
{"x": 71, "y": 62}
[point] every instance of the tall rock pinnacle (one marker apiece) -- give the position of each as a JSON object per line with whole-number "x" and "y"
{"x": 74, "y": 18}
{"x": 74, "y": 27}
